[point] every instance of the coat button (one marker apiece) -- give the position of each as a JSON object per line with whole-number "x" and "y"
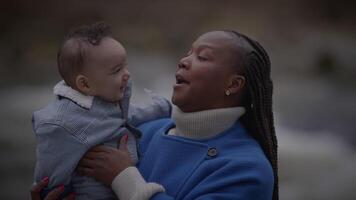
{"x": 212, "y": 152}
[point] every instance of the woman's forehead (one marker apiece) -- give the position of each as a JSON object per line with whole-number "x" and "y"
{"x": 216, "y": 39}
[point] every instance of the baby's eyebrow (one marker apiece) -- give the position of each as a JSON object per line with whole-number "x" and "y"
{"x": 118, "y": 65}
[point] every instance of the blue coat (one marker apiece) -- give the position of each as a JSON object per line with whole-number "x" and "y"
{"x": 230, "y": 165}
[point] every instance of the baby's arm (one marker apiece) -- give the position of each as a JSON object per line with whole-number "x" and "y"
{"x": 159, "y": 107}
{"x": 58, "y": 153}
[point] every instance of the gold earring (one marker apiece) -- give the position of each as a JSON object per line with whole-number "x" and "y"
{"x": 227, "y": 92}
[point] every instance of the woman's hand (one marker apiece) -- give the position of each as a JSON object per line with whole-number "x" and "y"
{"x": 105, "y": 163}
{"x": 53, "y": 195}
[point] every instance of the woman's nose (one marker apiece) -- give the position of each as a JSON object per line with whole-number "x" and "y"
{"x": 184, "y": 63}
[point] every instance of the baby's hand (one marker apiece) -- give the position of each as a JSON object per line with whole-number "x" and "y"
{"x": 53, "y": 195}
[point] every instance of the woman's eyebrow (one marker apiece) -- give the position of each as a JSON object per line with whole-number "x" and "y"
{"x": 208, "y": 46}
{"x": 200, "y": 48}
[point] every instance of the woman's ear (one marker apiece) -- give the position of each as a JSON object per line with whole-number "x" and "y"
{"x": 82, "y": 84}
{"x": 236, "y": 83}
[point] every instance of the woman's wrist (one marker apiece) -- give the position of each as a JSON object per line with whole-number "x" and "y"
{"x": 130, "y": 185}
{"x": 124, "y": 183}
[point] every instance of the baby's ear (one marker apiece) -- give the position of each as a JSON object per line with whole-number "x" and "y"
{"x": 82, "y": 84}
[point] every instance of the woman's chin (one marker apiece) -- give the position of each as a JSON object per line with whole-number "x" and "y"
{"x": 177, "y": 99}
{"x": 180, "y": 94}
{"x": 174, "y": 100}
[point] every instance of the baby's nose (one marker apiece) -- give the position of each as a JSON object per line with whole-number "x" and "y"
{"x": 126, "y": 75}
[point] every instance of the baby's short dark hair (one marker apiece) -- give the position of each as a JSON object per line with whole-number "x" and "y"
{"x": 71, "y": 55}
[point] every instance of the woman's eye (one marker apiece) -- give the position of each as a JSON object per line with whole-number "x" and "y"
{"x": 202, "y": 58}
{"x": 189, "y": 52}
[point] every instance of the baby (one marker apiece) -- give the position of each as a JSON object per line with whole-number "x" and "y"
{"x": 91, "y": 108}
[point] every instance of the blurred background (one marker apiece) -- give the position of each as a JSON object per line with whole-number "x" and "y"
{"x": 312, "y": 48}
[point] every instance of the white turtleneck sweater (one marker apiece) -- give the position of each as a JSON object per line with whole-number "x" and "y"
{"x": 130, "y": 185}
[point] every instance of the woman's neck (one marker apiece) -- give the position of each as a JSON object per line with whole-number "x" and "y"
{"x": 206, "y": 123}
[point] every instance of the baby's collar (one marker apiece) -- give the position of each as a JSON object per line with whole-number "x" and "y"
{"x": 62, "y": 89}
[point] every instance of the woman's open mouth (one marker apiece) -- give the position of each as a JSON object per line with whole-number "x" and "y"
{"x": 180, "y": 80}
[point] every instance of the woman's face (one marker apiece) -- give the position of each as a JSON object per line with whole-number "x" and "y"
{"x": 202, "y": 75}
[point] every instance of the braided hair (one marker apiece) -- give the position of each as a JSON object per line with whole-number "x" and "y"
{"x": 257, "y": 99}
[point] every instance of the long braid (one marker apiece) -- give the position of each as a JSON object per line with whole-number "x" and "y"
{"x": 258, "y": 119}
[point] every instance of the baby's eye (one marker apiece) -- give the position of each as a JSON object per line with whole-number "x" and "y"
{"x": 117, "y": 70}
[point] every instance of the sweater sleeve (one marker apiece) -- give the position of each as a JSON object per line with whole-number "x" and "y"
{"x": 246, "y": 178}
{"x": 238, "y": 181}
{"x": 157, "y": 108}
{"x": 252, "y": 180}
{"x": 130, "y": 185}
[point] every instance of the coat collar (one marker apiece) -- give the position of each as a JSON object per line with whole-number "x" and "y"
{"x": 64, "y": 90}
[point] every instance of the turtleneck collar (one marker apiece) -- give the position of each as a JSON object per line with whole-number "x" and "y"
{"x": 204, "y": 124}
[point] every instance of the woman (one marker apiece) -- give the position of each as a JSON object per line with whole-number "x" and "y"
{"x": 220, "y": 142}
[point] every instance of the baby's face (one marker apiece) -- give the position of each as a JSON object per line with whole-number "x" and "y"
{"x": 106, "y": 68}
